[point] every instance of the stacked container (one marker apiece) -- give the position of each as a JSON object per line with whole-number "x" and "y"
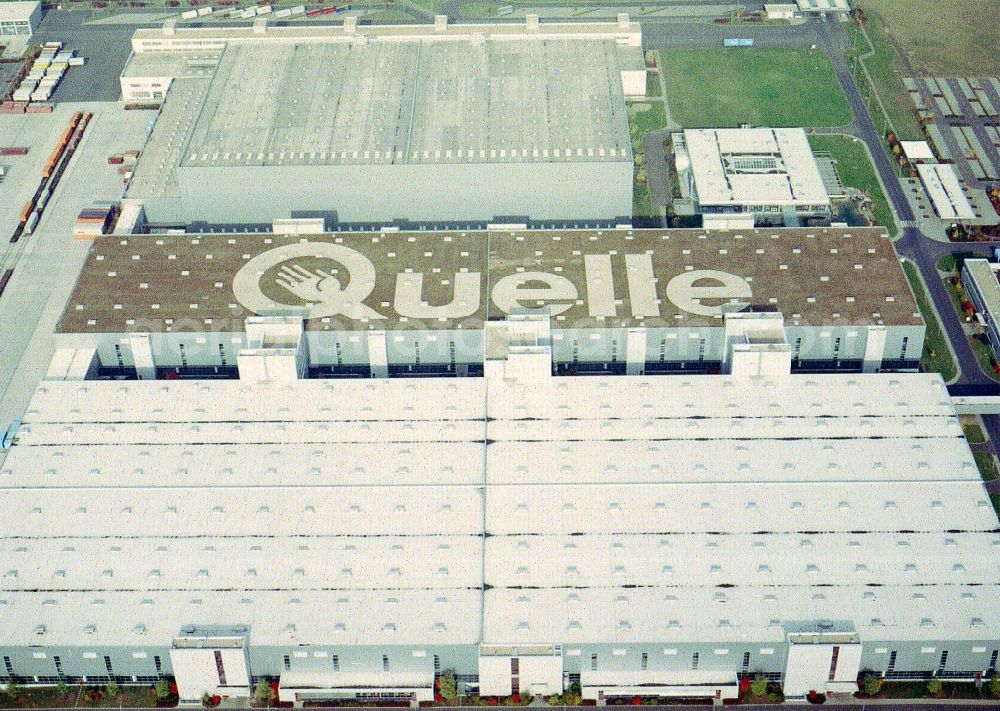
{"x": 93, "y": 221}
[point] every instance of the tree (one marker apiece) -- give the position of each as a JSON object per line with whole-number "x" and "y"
{"x": 995, "y": 684}
{"x": 871, "y": 684}
{"x": 934, "y": 686}
{"x": 758, "y": 687}
{"x": 12, "y": 689}
{"x": 449, "y": 686}
{"x": 112, "y": 688}
{"x": 262, "y": 692}
{"x": 62, "y": 687}
{"x": 162, "y": 688}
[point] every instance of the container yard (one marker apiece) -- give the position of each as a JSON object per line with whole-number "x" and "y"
{"x": 52, "y": 171}
{"x": 44, "y": 75}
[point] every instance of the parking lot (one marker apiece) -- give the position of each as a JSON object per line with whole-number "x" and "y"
{"x": 964, "y": 120}
{"x": 106, "y": 48}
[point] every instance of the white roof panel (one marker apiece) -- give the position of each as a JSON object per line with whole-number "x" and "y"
{"x": 594, "y": 509}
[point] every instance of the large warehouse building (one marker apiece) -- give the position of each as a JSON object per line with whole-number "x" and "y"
{"x": 653, "y": 536}
{"x": 427, "y": 124}
{"x": 638, "y": 301}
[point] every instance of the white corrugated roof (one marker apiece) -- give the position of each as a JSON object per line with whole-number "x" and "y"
{"x": 350, "y": 512}
{"x": 941, "y": 182}
{"x": 719, "y": 158}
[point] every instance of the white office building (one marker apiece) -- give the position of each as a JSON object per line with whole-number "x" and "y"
{"x": 19, "y": 18}
{"x": 979, "y": 277}
{"x": 749, "y": 176}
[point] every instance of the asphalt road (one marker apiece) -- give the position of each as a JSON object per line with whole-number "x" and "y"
{"x": 106, "y": 48}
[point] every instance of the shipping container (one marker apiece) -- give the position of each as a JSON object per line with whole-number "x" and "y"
{"x": 14, "y": 151}
{"x": 264, "y": 10}
{"x": 30, "y": 225}
{"x": 77, "y": 61}
{"x": 286, "y": 12}
{"x": 26, "y": 210}
{"x": 43, "y": 199}
{"x": 202, "y": 11}
{"x": 299, "y": 10}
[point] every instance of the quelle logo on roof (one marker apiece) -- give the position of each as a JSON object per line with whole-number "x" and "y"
{"x": 288, "y": 277}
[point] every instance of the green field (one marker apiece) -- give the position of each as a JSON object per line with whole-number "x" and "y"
{"x": 856, "y": 170}
{"x": 974, "y": 433}
{"x": 944, "y": 37}
{"x": 987, "y": 465}
{"x": 887, "y": 73}
{"x": 765, "y": 87}
{"x": 643, "y": 116}
{"x": 936, "y": 357}
{"x": 478, "y": 10}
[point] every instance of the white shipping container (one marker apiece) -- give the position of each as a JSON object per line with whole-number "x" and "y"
{"x": 248, "y": 13}
{"x": 264, "y": 10}
{"x": 202, "y": 11}
{"x": 43, "y": 199}
{"x": 283, "y": 13}
{"x": 41, "y": 95}
{"x": 29, "y": 226}
{"x": 299, "y": 10}
{"x": 189, "y": 15}
{"x": 22, "y": 95}
{"x": 77, "y": 62}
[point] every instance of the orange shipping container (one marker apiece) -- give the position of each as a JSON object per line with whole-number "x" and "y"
{"x": 26, "y": 211}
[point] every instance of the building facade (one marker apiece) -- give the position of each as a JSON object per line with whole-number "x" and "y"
{"x": 980, "y": 282}
{"x": 633, "y": 534}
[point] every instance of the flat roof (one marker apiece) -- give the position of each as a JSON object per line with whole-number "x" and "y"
{"x": 985, "y": 280}
{"x": 918, "y": 150}
{"x": 18, "y": 9}
{"x": 856, "y": 498}
{"x": 753, "y": 166}
{"x": 824, "y": 5}
{"x": 392, "y": 103}
{"x": 941, "y": 182}
{"x": 814, "y": 276}
{"x": 393, "y": 95}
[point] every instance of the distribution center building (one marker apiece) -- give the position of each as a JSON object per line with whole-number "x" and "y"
{"x": 620, "y": 300}
{"x": 761, "y": 176}
{"x": 653, "y": 536}
{"x": 428, "y": 124}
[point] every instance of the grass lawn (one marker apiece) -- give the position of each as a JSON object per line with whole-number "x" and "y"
{"x": 974, "y": 433}
{"x": 987, "y": 465}
{"x": 766, "y": 87}
{"x": 479, "y": 10}
{"x": 947, "y": 263}
{"x": 887, "y": 73}
{"x": 653, "y": 87}
{"x": 936, "y": 357}
{"x": 857, "y": 171}
{"x": 944, "y": 37}
{"x": 643, "y": 116}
